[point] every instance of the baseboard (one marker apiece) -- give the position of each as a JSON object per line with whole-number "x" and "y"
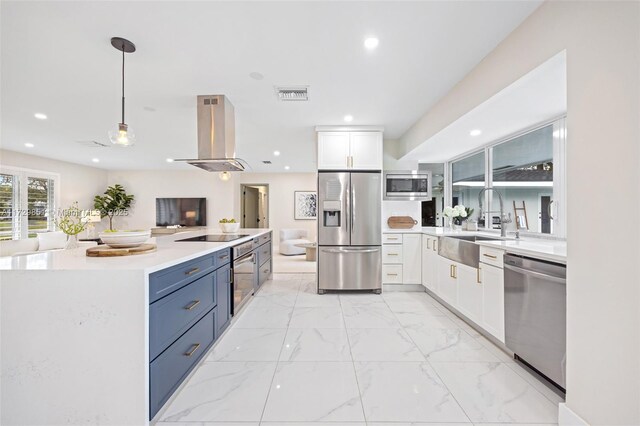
{"x": 403, "y": 287}
{"x": 567, "y": 417}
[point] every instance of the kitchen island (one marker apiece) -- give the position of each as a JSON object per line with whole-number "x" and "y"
{"x": 91, "y": 340}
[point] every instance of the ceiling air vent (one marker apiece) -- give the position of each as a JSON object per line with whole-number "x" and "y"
{"x": 266, "y": 161}
{"x": 298, "y": 93}
{"x": 93, "y": 144}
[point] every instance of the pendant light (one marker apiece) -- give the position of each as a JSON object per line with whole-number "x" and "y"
{"x": 124, "y": 136}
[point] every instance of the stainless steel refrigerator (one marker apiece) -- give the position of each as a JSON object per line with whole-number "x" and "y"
{"x": 349, "y": 231}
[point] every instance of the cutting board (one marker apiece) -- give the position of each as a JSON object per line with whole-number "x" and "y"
{"x": 106, "y": 251}
{"x": 401, "y": 222}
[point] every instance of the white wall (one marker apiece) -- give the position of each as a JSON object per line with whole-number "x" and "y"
{"x": 77, "y": 183}
{"x": 281, "y": 201}
{"x": 148, "y": 185}
{"x": 602, "y": 41}
{"x": 401, "y": 208}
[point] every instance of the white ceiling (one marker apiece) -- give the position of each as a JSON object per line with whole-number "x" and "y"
{"x": 536, "y": 97}
{"x": 57, "y": 59}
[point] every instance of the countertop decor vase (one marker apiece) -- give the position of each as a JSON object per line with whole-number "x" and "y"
{"x": 72, "y": 242}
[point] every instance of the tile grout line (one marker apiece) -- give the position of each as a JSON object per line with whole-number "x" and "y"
{"x": 353, "y": 362}
{"x": 275, "y": 370}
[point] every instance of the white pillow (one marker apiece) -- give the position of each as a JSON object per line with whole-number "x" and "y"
{"x": 51, "y": 240}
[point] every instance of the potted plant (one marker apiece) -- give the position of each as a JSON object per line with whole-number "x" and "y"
{"x": 229, "y": 225}
{"x": 115, "y": 202}
{"x": 457, "y": 215}
{"x": 71, "y": 223}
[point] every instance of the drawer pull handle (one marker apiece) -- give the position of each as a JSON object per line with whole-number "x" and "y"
{"x": 428, "y": 241}
{"x": 192, "y": 350}
{"x": 392, "y": 239}
{"x": 265, "y": 271}
{"x": 490, "y": 256}
{"x": 225, "y": 257}
{"x": 478, "y": 276}
{"x": 392, "y": 254}
{"x": 192, "y": 305}
{"x": 392, "y": 275}
{"x": 192, "y": 271}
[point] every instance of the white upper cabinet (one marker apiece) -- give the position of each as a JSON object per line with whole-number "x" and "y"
{"x": 349, "y": 150}
{"x": 333, "y": 150}
{"x": 366, "y": 150}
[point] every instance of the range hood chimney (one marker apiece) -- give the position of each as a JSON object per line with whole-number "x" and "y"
{"x": 216, "y": 136}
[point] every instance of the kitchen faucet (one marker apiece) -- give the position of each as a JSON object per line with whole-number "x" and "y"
{"x": 503, "y": 219}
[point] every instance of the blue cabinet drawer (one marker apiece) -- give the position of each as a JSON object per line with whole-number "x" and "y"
{"x": 169, "y": 280}
{"x": 168, "y": 370}
{"x": 222, "y": 257}
{"x": 264, "y": 238}
{"x": 264, "y": 272}
{"x": 264, "y": 253}
{"x": 173, "y": 315}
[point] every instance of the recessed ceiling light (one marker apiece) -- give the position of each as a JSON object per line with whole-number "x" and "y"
{"x": 95, "y": 160}
{"x": 348, "y": 118}
{"x": 371, "y": 43}
{"x": 29, "y": 145}
{"x": 287, "y": 167}
{"x": 169, "y": 160}
{"x": 276, "y": 153}
{"x": 475, "y": 132}
{"x": 256, "y": 76}
{"x": 40, "y": 116}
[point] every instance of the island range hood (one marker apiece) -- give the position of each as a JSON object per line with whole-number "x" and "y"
{"x": 216, "y": 136}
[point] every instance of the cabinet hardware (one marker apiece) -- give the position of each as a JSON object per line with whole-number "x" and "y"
{"x": 428, "y": 241}
{"x": 392, "y": 239}
{"x": 434, "y": 245}
{"x": 265, "y": 271}
{"x": 478, "y": 276}
{"x": 192, "y": 350}
{"x": 225, "y": 257}
{"x": 192, "y": 271}
{"x": 455, "y": 271}
{"x": 392, "y": 254}
{"x": 490, "y": 256}
{"x": 450, "y": 271}
{"x": 192, "y": 305}
{"x": 392, "y": 275}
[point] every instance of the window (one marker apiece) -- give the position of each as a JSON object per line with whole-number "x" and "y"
{"x": 523, "y": 173}
{"x": 527, "y": 170}
{"x": 27, "y": 203}
{"x": 468, "y": 179}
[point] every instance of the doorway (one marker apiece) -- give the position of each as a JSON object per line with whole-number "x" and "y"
{"x": 254, "y": 205}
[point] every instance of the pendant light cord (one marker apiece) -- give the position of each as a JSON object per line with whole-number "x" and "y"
{"x": 123, "y": 84}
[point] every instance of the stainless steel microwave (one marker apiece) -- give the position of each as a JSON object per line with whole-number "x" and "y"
{"x": 411, "y": 185}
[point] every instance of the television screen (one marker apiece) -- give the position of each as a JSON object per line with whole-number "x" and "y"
{"x": 181, "y": 211}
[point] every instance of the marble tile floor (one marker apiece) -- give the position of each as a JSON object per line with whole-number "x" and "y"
{"x": 293, "y": 357}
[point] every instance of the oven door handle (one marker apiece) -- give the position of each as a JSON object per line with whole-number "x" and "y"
{"x": 249, "y": 257}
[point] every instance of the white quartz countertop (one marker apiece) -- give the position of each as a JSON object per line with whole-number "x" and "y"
{"x": 546, "y": 249}
{"x": 168, "y": 253}
{"x": 554, "y": 251}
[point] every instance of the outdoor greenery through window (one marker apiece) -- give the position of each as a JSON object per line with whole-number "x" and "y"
{"x": 468, "y": 176}
{"x": 27, "y": 201}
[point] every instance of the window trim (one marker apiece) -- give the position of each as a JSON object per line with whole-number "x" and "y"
{"x": 22, "y": 174}
{"x": 559, "y": 124}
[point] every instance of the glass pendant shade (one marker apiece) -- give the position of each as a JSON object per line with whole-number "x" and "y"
{"x": 124, "y": 136}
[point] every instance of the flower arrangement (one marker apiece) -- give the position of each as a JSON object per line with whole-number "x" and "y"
{"x": 71, "y": 222}
{"x": 458, "y": 213}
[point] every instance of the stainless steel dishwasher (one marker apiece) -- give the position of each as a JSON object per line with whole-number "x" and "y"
{"x": 535, "y": 303}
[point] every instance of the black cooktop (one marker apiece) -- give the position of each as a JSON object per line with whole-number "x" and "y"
{"x": 215, "y": 238}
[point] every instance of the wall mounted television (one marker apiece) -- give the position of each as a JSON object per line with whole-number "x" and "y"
{"x": 181, "y": 211}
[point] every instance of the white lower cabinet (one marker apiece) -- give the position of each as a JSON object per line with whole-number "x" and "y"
{"x": 492, "y": 300}
{"x": 469, "y": 293}
{"x": 401, "y": 258}
{"x": 411, "y": 259}
{"x": 478, "y": 294}
{"x": 430, "y": 262}
{"x": 447, "y": 282}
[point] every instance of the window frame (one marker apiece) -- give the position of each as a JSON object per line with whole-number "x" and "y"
{"x": 20, "y": 222}
{"x": 559, "y": 172}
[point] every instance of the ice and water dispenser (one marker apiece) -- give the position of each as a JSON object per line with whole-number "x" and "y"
{"x": 331, "y": 212}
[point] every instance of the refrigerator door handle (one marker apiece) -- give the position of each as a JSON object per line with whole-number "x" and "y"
{"x": 368, "y": 250}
